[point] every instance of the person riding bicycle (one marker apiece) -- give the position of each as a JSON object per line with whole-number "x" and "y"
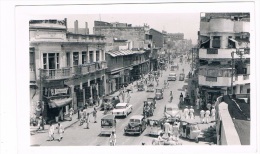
{"x": 112, "y": 139}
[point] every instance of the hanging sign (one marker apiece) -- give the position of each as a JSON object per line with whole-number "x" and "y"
{"x": 60, "y": 91}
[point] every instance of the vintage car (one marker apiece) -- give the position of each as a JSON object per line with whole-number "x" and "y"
{"x": 136, "y": 125}
{"x": 172, "y": 111}
{"x": 122, "y": 109}
{"x": 148, "y": 109}
{"x": 108, "y": 125}
{"x": 172, "y": 77}
{"x": 190, "y": 131}
{"x": 150, "y": 87}
{"x": 140, "y": 86}
{"x": 109, "y": 102}
{"x": 181, "y": 77}
{"x": 159, "y": 93}
{"x": 155, "y": 126}
{"x": 173, "y": 67}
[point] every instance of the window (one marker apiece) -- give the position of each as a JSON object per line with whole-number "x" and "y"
{"x": 226, "y": 73}
{"x": 68, "y": 59}
{"x": 32, "y": 63}
{"x": 51, "y": 58}
{"x": 97, "y": 55}
{"x": 44, "y": 61}
{"x": 212, "y": 72}
{"x": 216, "y": 42}
{"x": 57, "y": 60}
{"x": 91, "y": 59}
{"x": 241, "y": 89}
{"x": 75, "y": 58}
{"x": 84, "y": 57}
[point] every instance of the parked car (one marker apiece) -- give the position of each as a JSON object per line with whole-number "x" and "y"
{"x": 181, "y": 77}
{"x": 122, "y": 109}
{"x": 172, "y": 111}
{"x": 109, "y": 102}
{"x": 172, "y": 77}
{"x": 136, "y": 125}
{"x": 159, "y": 93}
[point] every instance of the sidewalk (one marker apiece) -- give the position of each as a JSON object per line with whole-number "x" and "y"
{"x": 65, "y": 123}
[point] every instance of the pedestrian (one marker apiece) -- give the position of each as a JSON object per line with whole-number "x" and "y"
{"x": 128, "y": 97}
{"x": 51, "y": 132}
{"x": 81, "y": 114}
{"x": 98, "y": 101}
{"x": 186, "y": 112}
{"x": 186, "y": 92}
{"x": 90, "y": 101}
{"x": 213, "y": 113}
{"x": 71, "y": 113}
{"x": 87, "y": 122}
{"x": 208, "y": 106}
{"x": 95, "y": 115}
{"x": 60, "y": 131}
{"x": 198, "y": 103}
{"x": 167, "y": 128}
{"x": 202, "y": 116}
{"x": 207, "y": 116}
{"x": 39, "y": 123}
{"x": 175, "y": 128}
{"x": 112, "y": 139}
{"x": 191, "y": 112}
{"x": 131, "y": 87}
{"x": 171, "y": 96}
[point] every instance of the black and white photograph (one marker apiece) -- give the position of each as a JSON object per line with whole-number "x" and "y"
{"x": 167, "y": 76}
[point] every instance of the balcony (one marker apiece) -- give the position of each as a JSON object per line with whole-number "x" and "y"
{"x": 55, "y": 74}
{"x": 214, "y": 81}
{"x": 242, "y": 79}
{"x": 212, "y": 53}
{"x": 85, "y": 38}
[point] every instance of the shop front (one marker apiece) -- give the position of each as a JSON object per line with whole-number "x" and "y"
{"x": 209, "y": 95}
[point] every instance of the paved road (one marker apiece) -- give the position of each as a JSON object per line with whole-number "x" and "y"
{"x": 76, "y": 135}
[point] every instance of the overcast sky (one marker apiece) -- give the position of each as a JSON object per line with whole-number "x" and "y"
{"x": 187, "y": 23}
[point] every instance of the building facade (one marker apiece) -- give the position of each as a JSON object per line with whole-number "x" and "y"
{"x": 224, "y": 54}
{"x": 67, "y": 69}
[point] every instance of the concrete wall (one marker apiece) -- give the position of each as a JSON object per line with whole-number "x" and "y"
{"x": 157, "y": 38}
{"x": 221, "y": 81}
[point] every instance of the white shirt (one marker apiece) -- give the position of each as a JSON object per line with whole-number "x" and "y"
{"x": 186, "y": 111}
{"x": 213, "y": 111}
{"x": 202, "y": 113}
{"x": 113, "y": 137}
{"x": 207, "y": 113}
{"x": 191, "y": 111}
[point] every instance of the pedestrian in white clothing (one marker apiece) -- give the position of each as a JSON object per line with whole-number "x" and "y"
{"x": 207, "y": 116}
{"x": 191, "y": 112}
{"x": 60, "y": 131}
{"x": 202, "y": 116}
{"x": 167, "y": 127}
{"x": 71, "y": 113}
{"x": 186, "y": 112}
{"x": 213, "y": 113}
{"x": 51, "y": 132}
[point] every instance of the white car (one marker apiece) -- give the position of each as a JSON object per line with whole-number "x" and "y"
{"x": 172, "y": 77}
{"x": 122, "y": 109}
{"x": 172, "y": 111}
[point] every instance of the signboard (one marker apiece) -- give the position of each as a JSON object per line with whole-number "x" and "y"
{"x": 60, "y": 91}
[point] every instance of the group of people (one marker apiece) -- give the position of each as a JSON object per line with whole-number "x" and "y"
{"x": 85, "y": 117}
{"x": 52, "y": 132}
{"x": 189, "y": 112}
{"x": 206, "y": 115}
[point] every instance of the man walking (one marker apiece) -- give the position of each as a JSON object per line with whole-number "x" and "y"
{"x": 51, "y": 132}
{"x": 202, "y": 116}
{"x": 60, "y": 131}
{"x": 186, "y": 112}
{"x": 95, "y": 115}
{"x": 207, "y": 116}
{"x": 87, "y": 121}
{"x": 71, "y": 113}
{"x": 191, "y": 112}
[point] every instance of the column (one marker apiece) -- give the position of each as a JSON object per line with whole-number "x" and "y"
{"x": 88, "y": 60}
{"x": 211, "y": 40}
{"x": 71, "y": 59}
{"x": 74, "y": 100}
{"x": 104, "y": 55}
{"x": 237, "y": 89}
{"x": 84, "y": 97}
{"x": 94, "y": 55}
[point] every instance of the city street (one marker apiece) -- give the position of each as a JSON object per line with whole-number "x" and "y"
{"x": 76, "y": 135}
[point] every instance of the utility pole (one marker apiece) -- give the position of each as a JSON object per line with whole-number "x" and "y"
{"x": 41, "y": 102}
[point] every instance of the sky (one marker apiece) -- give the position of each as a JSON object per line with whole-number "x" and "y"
{"x": 187, "y": 23}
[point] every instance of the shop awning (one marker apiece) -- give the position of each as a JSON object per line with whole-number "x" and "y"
{"x": 233, "y": 40}
{"x": 59, "y": 102}
{"x": 139, "y": 52}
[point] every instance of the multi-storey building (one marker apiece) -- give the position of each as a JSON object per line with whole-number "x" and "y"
{"x": 224, "y": 54}
{"x": 66, "y": 68}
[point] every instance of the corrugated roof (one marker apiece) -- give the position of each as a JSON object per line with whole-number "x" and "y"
{"x": 120, "y": 53}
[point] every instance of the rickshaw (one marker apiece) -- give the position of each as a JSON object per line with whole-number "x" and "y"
{"x": 155, "y": 126}
{"x": 152, "y": 100}
{"x": 150, "y": 87}
{"x": 109, "y": 102}
{"x": 190, "y": 131}
{"x": 181, "y": 77}
{"x": 148, "y": 109}
{"x": 140, "y": 86}
{"x": 159, "y": 93}
{"x": 108, "y": 125}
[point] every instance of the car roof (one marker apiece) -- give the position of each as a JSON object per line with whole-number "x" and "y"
{"x": 109, "y": 117}
{"x": 137, "y": 117}
{"x": 121, "y": 104}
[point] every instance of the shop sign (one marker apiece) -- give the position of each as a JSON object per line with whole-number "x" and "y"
{"x": 60, "y": 91}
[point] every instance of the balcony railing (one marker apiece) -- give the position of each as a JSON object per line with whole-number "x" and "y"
{"x": 213, "y": 53}
{"x": 76, "y": 70}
